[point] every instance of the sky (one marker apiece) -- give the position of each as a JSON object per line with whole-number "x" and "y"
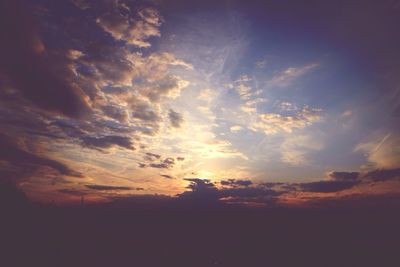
{"x": 253, "y": 102}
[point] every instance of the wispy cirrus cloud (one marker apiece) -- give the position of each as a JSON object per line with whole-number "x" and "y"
{"x": 382, "y": 152}
{"x": 287, "y": 76}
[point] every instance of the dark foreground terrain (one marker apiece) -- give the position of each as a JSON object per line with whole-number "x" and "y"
{"x": 168, "y": 234}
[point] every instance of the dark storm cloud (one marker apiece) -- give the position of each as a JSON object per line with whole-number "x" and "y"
{"x": 175, "y": 118}
{"x": 107, "y": 187}
{"x": 39, "y": 75}
{"x": 107, "y": 142}
{"x": 11, "y": 152}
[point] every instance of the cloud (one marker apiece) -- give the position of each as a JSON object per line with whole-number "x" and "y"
{"x": 164, "y": 164}
{"x": 167, "y": 176}
{"x": 382, "y": 175}
{"x": 286, "y": 77}
{"x": 152, "y": 156}
{"x": 343, "y": 176}
{"x": 235, "y": 128}
{"x": 295, "y": 149}
{"x": 327, "y": 186}
{"x": 244, "y": 91}
{"x": 175, "y": 118}
{"x": 12, "y": 152}
{"x": 115, "y": 112}
{"x": 339, "y": 181}
{"x": 107, "y": 187}
{"x": 72, "y": 192}
{"x": 345, "y": 180}
{"x": 235, "y": 182}
{"x": 382, "y": 152}
{"x": 239, "y": 191}
{"x": 169, "y": 86}
{"x": 133, "y": 31}
{"x": 41, "y": 77}
{"x": 104, "y": 142}
{"x": 249, "y": 193}
{"x": 272, "y": 123}
{"x": 145, "y": 113}
{"x": 201, "y": 190}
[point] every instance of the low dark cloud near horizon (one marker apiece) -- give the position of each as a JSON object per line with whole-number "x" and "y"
{"x": 245, "y": 191}
{"x": 204, "y": 190}
{"x": 107, "y": 187}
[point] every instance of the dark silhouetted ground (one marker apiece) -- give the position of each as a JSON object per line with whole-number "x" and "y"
{"x": 176, "y": 234}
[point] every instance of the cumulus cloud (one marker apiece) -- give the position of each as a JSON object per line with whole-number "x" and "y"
{"x": 175, "y": 118}
{"x": 152, "y": 156}
{"x": 244, "y": 91}
{"x": 169, "y": 86}
{"x": 200, "y": 190}
{"x": 238, "y": 191}
{"x": 272, "y": 123}
{"x": 133, "y": 31}
{"x": 41, "y": 77}
{"x": 164, "y": 164}
{"x": 145, "y": 113}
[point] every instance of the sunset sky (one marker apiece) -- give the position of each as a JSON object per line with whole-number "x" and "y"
{"x": 240, "y": 101}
